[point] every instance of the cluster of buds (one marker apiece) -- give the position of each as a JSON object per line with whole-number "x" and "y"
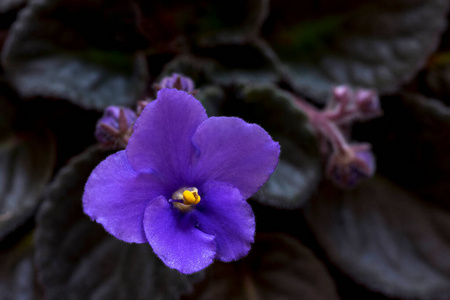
{"x": 347, "y": 164}
{"x": 115, "y": 127}
{"x": 347, "y": 106}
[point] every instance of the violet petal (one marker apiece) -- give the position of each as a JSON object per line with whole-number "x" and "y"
{"x": 175, "y": 239}
{"x": 161, "y": 139}
{"x": 236, "y": 152}
{"x": 116, "y": 197}
{"x": 224, "y": 213}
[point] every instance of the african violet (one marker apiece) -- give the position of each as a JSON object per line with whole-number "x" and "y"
{"x": 235, "y": 150}
{"x": 181, "y": 183}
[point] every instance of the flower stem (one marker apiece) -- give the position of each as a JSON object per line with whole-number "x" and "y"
{"x": 322, "y": 123}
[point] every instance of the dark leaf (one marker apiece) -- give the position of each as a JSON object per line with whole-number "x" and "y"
{"x": 437, "y": 76}
{"x": 77, "y": 259}
{"x": 8, "y": 112}
{"x": 8, "y": 5}
{"x": 199, "y": 70}
{"x": 241, "y": 63}
{"x": 278, "y": 267}
{"x": 83, "y": 51}
{"x": 384, "y": 238}
{"x": 212, "y": 98}
{"x": 17, "y": 274}
{"x": 231, "y": 23}
{"x": 26, "y": 164}
{"x": 204, "y": 22}
{"x": 299, "y": 170}
{"x": 414, "y": 147}
{"x": 379, "y": 44}
{"x": 435, "y": 80}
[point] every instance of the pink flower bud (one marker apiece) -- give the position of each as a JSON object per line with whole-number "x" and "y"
{"x": 342, "y": 94}
{"x": 368, "y": 104}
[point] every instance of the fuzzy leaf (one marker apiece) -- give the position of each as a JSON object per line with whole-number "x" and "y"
{"x": 199, "y": 70}
{"x": 77, "y": 259}
{"x": 203, "y": 22}
{"x": 212, "y": 98}
{"x": 8, "y": 5}
{"x": 50, "y": 52}
{"x": 17, "y": 274}
{"x": 26, "y": 164}
{"x": 380, "y": 44}
{"x": 437, "y": 73}
{"x": 241, "y": 63}
{"x": 235, "y": 22}
{"x": 8, "y": 113}
{"x": 278, "y": 267}
{"x": 384, "y": 238}
{"x": 414, "y": 150}
{"x": 299, "y": 171}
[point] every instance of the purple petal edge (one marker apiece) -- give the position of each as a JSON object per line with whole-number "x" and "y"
{"x": 162, "y": 136}
{"x": 224, "y": 213}
{"x": 233, "y": 151}
{"x": 116, "y": 197}
{"x": 175, "y": 239}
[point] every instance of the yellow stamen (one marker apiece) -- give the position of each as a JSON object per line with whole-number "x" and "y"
{"x": 190, "y": 197}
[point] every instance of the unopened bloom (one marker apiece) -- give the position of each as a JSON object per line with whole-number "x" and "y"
{"x": 141, "y": 105}
{"x": 348, "y": 168}
{"x": 368, "y": 104}
{"x": 347, "y": 106}
{"x": 182, "y": 182}
{"x": 114, "y": 128}
{"x": 177, "y": 81}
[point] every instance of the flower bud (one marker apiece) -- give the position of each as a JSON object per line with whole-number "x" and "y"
{"x": 342, "y": 94}
{"x": 178, "y": 82}
{"x": 114, "y": 128}
{"x": 347, "y": 168}
{"x": 339, "y": 104}
{"x": 368, "y": 104}
{"x": 141, "y": 105}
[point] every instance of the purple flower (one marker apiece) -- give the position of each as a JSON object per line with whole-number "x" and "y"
{"x": 182, "y": 182}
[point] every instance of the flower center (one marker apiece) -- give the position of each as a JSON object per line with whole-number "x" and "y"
{"x": 184, "y": 198}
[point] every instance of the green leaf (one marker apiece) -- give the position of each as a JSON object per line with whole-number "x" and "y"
{"x": 50, "y": 53}
{"x": 299, "y": 170}
{"x": 380, "y": 45}
{"x": 26, "y": 165}
{"x": 75, "y": 256}
{"x": 384, "y": 238}
{"x": 278, "y": 267}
